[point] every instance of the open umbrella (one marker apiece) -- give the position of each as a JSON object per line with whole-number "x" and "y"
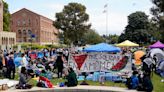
{"x": 137, "y": 56}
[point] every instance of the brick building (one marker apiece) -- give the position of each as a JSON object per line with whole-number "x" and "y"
{"x": 7, "y": 39}
{"x": 30, "y": 26}
{"x": 1, "y": 15}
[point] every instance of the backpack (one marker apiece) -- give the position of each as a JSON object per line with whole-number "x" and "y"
{"x": 10, "y": 63}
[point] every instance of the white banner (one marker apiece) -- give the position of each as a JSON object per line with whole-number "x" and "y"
{"x": 99, "y": 62}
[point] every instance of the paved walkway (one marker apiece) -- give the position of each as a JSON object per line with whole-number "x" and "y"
{"x": 74, "y": 89}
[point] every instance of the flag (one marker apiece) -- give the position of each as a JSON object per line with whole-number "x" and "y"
{"x": 105, "y": 5}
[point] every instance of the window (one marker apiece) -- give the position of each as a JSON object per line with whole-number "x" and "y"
{"x": 29, "y": 22}
{"x": 24, "y": 39}
{"x": 29, "y": 32}
{"x": 24, "y": 22}
{"x": 19, "y": 32}
{"x": 24, "y": 31}
{"x": 18, "y": 23}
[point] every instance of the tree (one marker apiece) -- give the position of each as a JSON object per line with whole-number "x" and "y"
{"x": 73, "y": 21}
{"x": 137, "y": 28}
{"x": 92, "y": 37}
{"x": 113, "y": 39}
{"x": 6, "y": 17}
{"x": 158, "y": 12}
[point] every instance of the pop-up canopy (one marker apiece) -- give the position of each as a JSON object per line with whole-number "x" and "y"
{"x": 127, "y": 43}
{"x": 102, "y": 47}
{"x": 158, "y": 44}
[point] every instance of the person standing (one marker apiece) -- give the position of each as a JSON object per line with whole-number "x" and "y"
{"x": 147, "y": 83}
{"x": 11, "y": 66}
{"x": 24, "y": 60}
{"x": 5, "y": 65}
{"x": 1, "y": 62}
{"x": 59, "y": 64}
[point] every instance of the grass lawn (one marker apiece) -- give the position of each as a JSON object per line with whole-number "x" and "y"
{"x": 158, "y": 85}
{"x": 108, "y": 83}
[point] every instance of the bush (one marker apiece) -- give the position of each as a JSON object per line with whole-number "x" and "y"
{"x": 37, "y": 46}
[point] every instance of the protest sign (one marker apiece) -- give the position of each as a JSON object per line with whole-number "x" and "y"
{"x": 92, "y": 62}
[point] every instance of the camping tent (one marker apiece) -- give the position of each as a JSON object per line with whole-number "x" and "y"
{"x": 127, "y": 43}
{"x": 158, "y": 44}
{"x": 102, "y": 47}
{"x": 158, "y": 53}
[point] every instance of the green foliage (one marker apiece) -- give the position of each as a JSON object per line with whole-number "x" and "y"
{"x": 73, "y": 22}
{"x": 56, "y": 46}
{"x": 137, "y": 20}
{"x": 158, "y": 11}
{"x": 92, "y": 37}
{"x": 112, "y": 39}
{"x": 37, "y": 46}
{"x": 137, "y": 29}
{"x": 6, "y": 17}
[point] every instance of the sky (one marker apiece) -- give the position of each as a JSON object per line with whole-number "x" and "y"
{"x": 113, "y": 22}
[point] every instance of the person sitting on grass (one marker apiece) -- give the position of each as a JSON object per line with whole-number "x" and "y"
{"x": 134, "y": 80}
{"x": 71, "y": 78}
{"x": 43, "y": 73}
{"x": 23, "y": 80}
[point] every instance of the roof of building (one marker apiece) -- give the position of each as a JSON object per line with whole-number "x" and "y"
{"x": 32, "y": 12}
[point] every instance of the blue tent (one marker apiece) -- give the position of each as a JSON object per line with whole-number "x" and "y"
{"x": 102, "y": 47}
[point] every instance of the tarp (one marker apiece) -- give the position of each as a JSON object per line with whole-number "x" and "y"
{"x": 158, "y": 44}
{"x": 127, "y": 43}
{"x": 137, "y": 56}
{"x": 102, "y": 47}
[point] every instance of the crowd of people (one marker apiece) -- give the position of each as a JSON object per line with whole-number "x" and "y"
{"x": 41, "y": 63}
{"x": 141, "y": 76}
{"x": 34, "y": 65}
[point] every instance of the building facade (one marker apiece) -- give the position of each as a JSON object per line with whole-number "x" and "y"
{"x": 1, "y": 16}
{"x": 7, "y": 39}
{"x": 32, "y": 27}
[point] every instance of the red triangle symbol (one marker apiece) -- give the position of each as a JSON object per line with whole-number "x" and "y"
{"x": 80, "y": 60}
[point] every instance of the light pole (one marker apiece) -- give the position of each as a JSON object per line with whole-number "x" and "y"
{"x": 106, "y": 11}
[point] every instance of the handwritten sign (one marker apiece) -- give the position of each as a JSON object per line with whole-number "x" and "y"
{"x": 96, "y": 62}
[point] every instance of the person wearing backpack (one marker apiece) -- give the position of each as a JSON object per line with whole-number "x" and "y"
{"x": 11, "y": 66}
